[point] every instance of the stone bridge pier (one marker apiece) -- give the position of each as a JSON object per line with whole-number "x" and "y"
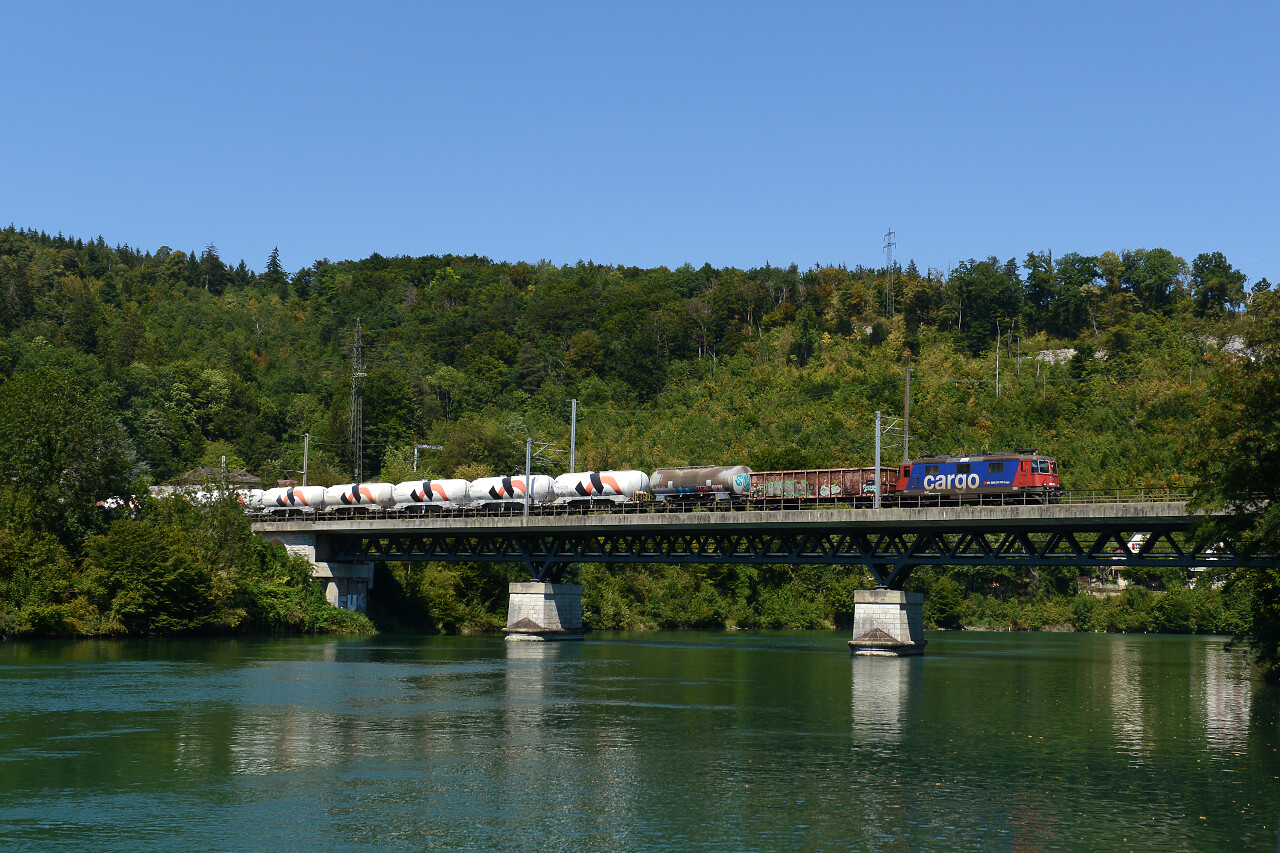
{"x": 887, "y": 622}
{"x": 544, "y": 611}
{"x": 347, "y": 583}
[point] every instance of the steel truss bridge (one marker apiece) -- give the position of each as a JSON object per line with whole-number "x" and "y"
{"x": 890, "y": 542}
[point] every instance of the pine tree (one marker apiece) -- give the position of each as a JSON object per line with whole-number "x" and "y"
{"x": 275, "y": 277}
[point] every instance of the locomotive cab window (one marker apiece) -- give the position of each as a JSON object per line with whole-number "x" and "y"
{"x": 995, "y": 467}
{"x": 1041, "y": 466}
{"x": 963, "y": 467}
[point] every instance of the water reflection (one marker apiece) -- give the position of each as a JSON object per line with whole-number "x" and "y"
{"x": 529, "y": 667}
{"x": 885, "y": 697}
{"x": 1127, "y": 708}
{"x": 537, "y": 705}
{"x": 563, "y": 749}
{"x": 262, "y": 745}
{"x": 1227, "y": 694}
{"x": 646, "y": 743}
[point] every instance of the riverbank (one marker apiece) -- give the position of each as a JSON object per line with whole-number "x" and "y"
{"x": 470, "y": 598}
{"x": 162, "y": 568}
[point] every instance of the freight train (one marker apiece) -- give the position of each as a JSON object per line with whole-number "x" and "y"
{"x": 1022, "y": 476}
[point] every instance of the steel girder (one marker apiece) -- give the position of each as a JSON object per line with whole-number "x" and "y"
{"x": 890, "y": 553}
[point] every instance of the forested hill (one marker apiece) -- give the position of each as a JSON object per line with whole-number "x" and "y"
{"x": 120, "y": 368}
{"x": 771, "y": 367}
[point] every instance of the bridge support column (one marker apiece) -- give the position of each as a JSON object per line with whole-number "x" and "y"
{"x": 887, "y": 622}
{"x": 346, "y": 584}
{"x": 544, "y": 611}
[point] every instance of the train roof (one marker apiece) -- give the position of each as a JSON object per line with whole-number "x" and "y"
{"x": 983, "y": 457}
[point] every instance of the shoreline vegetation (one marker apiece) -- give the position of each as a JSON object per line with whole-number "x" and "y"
{"x": 439, "y": 597}
{"x": 123, "y": 368}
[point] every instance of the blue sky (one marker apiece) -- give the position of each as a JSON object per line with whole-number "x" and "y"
{"x": 647, "y": 134}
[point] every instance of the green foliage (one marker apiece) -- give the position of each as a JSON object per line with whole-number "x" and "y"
{"x": 838, "y": 597}
{"x": 1216, "y": 285}
{"x": 1235, "y": 444}
{"x": 442, "y": 597}
{"x": 136, "y": 576}
{"x": 177, "y": 568}
{"x": 120, "y": 364}
{"x": 61, "y": 450}
{"x": 945, "y": 604}
{"x": 988, "y": 296}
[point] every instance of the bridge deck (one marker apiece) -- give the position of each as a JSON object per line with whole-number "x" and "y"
{"x": 890, "y": 542}
{"x": 1164, "y": 515}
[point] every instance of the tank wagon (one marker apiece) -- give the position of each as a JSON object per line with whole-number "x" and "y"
{"x": 582, "y": 490}
{"x": 701, "y": 485}
{"x": 299, "y": 498}
{"x": 493, "y": 492}
{"x": 417, "y": 496}
{"x": 359, "y": 495}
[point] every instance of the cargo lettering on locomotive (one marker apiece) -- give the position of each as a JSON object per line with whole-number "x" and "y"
{"x": 951, "y": 481}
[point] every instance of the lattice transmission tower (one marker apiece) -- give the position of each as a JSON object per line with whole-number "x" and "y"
{"x": 889, "y": 270}
{"x": 357, "y": 405}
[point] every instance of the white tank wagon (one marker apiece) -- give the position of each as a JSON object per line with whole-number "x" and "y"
{"x": 713, "y": 482}
{"x": 250, "y": 499}
{"x": 366, "y": 495}
{"x": 616, "y": 486}
{"x": 442, "y": 494}
{"x": 303, "y": 498}
{"x": 508, "y": 490}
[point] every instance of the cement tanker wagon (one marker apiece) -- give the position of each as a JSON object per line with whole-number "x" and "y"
{"x": 694, "y": 485}
{"x": 367, "y": 495}
{"x": 250, "y": 499}
{"x": 489, "y": 491}
{"x": 616, "y": 486}
{"x": 304, "y": 498}
{"x": 441, "y": 494}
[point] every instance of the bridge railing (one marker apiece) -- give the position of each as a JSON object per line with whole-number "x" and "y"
{"x": 516, "y": 510}
{"x": 1127, "y": 496}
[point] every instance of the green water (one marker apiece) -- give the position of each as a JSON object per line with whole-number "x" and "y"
{"x": 661, "y": 741}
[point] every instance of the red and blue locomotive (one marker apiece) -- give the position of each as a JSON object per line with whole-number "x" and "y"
{"x": 979, "y": 479}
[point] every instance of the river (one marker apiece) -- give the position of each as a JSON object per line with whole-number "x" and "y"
{"x": 733, "y": 741}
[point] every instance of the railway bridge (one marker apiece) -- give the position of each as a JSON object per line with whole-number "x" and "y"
{"x": 1127, "y": 530}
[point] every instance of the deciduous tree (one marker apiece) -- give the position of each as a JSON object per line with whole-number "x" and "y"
{"x": 1236, "y": 447}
